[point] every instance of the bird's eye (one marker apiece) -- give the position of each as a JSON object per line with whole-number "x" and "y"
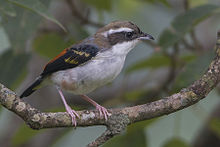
{"x": 129, "y": 35}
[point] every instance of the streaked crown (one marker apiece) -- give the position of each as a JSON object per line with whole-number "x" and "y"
{"x": 122, "y": 31}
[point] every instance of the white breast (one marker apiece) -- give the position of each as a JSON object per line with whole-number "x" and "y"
{"x": 95, "y": 73}
{"x": 86, "y": 78}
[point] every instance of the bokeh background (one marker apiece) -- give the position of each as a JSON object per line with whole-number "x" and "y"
{"x": 34, "y": 31}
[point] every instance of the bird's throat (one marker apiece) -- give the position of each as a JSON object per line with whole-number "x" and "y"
{"x": 122, "y": 49}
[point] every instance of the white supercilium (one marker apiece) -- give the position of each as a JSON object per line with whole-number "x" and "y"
{"x": 111, "y": 31}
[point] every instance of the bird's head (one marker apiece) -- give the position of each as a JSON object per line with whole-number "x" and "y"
{"x": 120, "y": 36}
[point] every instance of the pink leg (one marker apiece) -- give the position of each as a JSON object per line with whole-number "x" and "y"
{"x": 70, "y": 111}
{"x": 102, "y": 110}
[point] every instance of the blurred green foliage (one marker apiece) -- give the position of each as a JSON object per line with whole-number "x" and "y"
{"x": 156, "y": 61}
{"x": 175, "y": 142}
{"x": 50, "y": 44}
{"x": 133, "y": 96}
{"x": 196, "y": 3}
{"x": 215, "y": 126}
{"x": 134, "y": 135}
{"x": 192, "y": 71}
{"x": 38, "y": 8}
{"x": 7, "y": 9}
{"x": 20, "y": 28}
{"x": 135, "y": 138}
{"x": 24, "y": 134}
{"x": 184, "y": 23}
{"x": 12, "y": 63}
{"x": 100, "y": 4}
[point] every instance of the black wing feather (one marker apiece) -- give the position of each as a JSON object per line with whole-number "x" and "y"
{"x": 73, "y": 57}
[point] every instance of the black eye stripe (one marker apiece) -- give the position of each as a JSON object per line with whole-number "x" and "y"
{"x": 122, "y": 32}
{"x": 129, "y": 32}
{"x": 139, "y": 30}
{"x": 123, "y": 36}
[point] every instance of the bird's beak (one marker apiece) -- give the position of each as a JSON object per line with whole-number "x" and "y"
{"x": 145, "y": 36}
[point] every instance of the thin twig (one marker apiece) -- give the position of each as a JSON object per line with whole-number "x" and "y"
{"x": 185, "y": 5}
{"x": 187, "y": 45}
{"x": 196, "y": 42}
{"x": 172, "y": 71}
{"x": 83, "y": 19}
{"x": 197, "y": 45}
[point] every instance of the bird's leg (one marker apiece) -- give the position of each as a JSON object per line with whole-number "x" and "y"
{"x": 70, "y": 111}
{"x": 102, "y": 110}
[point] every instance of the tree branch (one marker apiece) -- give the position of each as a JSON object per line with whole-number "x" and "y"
{"x": 120, "y": 117}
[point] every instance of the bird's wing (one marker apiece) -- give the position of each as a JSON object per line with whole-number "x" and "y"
{"x": 70, "y": 58}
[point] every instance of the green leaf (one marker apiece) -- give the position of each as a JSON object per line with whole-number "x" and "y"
{"x": 193, "y": 70}
{"x": 156, "y": 61}
{"x": 13, "y": 66}
{"x": 128, "y": 7}
{"x": 7, "y": 8}
{"x": 159, "y": 1}
{"x": 100, "y": 4}
{"x": 215, "y": 126}
{"x": 194, "y": 3}
{"x": 132, "y": 96}
{"x": 168, "y": 38}
{"x": 20, "y": 28}
{"x": 50, "y": 44}
{"x": 152, "y": 62}
{"x": 187, "y": 58}
{"x": 24, "y": 134}
{"x": 78, "y": 32}
{"x": 37, "y": 7}
{"x": 184, "y": 23}
{"x": 175, "y": 142}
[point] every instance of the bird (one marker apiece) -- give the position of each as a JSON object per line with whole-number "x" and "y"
{"x": 90, "y": 64}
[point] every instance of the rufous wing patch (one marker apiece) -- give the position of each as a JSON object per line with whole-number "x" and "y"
{"x": 59, "y": 55}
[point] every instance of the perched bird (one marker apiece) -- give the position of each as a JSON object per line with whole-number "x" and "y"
{"x": 92, "y": 63}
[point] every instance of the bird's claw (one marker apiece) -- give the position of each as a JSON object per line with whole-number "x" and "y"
{"x": 103, "y": 111}
{"x": 73, "y": 115}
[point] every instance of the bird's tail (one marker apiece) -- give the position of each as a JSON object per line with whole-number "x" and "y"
{"x": 36, "y": 85}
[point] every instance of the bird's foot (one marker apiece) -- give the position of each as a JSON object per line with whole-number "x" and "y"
{"x": 103, "y": 111}
{"x": 73, "y": 114}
